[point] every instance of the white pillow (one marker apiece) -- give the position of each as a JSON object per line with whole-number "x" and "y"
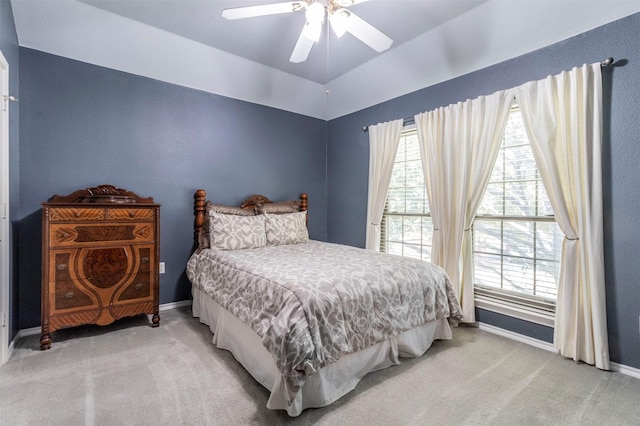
{"x": 232, "y": 232}
{"x": 290, "y": 228}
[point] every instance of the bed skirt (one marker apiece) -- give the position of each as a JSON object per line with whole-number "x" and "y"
{"x": 329, "y": 383}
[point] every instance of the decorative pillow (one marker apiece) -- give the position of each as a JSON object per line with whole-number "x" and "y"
{"x": 204, "y": 241}
{"x": 233, "y": 232}
{"x": 288, "y": 228}
{"x": 279, "y": 208}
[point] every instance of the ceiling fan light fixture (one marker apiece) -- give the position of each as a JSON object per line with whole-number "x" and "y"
{"x": 315, "y": 13}
{"x": 315, "y": 18}
{"x": 344, "y": 3}
{"x": 339, "y": 20}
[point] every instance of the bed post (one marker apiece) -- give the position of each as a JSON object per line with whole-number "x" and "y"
{"x": 198, "y": 206}
{"x": 304, "y": 204}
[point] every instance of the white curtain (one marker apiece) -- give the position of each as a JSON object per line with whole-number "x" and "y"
{"x": 563, "y": 117}
{"x": 459, "y": 144}
{"x": 383, "y": 146}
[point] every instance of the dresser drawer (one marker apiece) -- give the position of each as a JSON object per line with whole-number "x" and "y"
{"x": 77, "y": 295}
{"x": 131, "y": 214}
{"x": 137, "y": 289}
{"x": 69, "y": 234}
{"x": 69, "y": 295}
{"x": 67, "y": 214}
{"x": 101, "y": 267}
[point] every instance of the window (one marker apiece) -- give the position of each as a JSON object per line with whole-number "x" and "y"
{"x": 406, "y": 223}
{"x": 516, "y": 240}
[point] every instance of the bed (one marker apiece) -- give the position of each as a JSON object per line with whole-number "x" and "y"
{"x": 308, "y": 319}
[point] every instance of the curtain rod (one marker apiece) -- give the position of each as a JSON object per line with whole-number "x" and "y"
{"x": 410, "y": 120}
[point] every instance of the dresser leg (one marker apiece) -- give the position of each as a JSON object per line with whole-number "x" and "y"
{"x": 45, "y": 342}
{"x": 155, "y": 320}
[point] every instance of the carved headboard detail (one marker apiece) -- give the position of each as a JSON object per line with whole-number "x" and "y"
{"x": 255, "y": 200}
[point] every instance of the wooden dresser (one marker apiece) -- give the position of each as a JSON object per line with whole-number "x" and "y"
{"x": 100, "y": 254}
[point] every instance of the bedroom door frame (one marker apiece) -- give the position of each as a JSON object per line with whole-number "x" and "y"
{"x": 4, "y": 210}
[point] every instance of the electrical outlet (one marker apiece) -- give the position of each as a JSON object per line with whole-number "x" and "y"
{"x": 161, "y": 267}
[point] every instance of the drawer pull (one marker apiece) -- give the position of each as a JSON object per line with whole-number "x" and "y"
{"x": 131, "y": 214}
{"x": 61, "y": 267}
{"x": 78, "y": 214}
{"x": 144, "y": 259}
{"x": 69, "y": 295}
{"x": 138, "y": 286}
{"x": 66, "y": 234}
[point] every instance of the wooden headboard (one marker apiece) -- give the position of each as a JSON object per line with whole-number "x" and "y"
{"x": 200, "y": 202}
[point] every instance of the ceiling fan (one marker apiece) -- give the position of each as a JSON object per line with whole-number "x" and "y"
{"x": 341, "y": 19}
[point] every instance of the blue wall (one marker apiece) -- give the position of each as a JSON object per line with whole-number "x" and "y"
{"x": 82, "y": 125}
{"x": 348, "y": 153}
{"x": 10, "y": 50}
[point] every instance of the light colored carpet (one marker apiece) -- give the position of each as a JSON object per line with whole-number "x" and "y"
{"x": 130, "y": 374}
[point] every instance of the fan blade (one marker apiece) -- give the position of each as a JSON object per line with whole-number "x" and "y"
{"x": 368, "y": 34}
{"x": 265, "y": 9}
{"x": 302, "y": 49}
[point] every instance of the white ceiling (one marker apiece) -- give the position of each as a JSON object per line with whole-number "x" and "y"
{"x": 269, "y": 40}
{"x": 187, "y": 42}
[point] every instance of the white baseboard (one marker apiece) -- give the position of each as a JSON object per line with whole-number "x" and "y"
{"x": 174, "y": 305}
{"x": 619, "y": 368}
{"x": 27, "y": 332}
{"x": 12, "y": 346}
{"x": 519, "y": 337}
{"x": 626, "y": 370}
{"x": 36, "y": 330}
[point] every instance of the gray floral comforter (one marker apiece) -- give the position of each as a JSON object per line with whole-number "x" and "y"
{"x": 311, "y": 303}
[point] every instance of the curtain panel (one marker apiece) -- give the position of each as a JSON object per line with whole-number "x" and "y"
{"x": 458, "y": 146}
{"x": 563, "y": 118}
{"x": 384, "y": 139}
